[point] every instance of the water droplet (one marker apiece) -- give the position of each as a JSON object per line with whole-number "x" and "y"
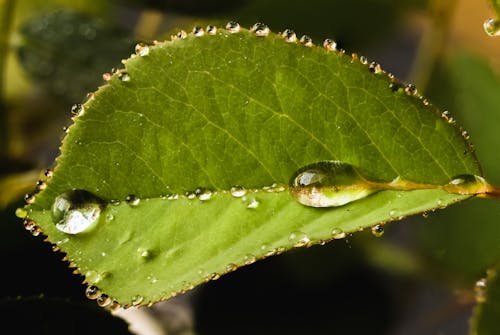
{"x": 253, "y": 204}
{"x": 378, "y": 230}
{"x": 29, "y": 225}
{"x": 330, "y": 44}
{"x": 231, "y": 267}
{"x": 29, "y": 198}
{"x": 233, "y": 27}
{"x": 466, "y": 184}
{"x": 198, "y": 31}
{"x": 375, "y": 68}
{"x": 124, "y": 76}
{"x": 103, "y": 300}
{"x": 214, "y": 276}
{"x": 137, "y": 299}
{"x": 77, "y": 110}
{"x": 249, "y": 259}
{"x": 396, "y": 86}
{"x": 144, "y": 253}
{"x": 492, "y": 27}
{"x": 172, "y": 197}
{"x": 289, "y": 36}
{"x": 132, "y": 200}
{"x": 306, "y": 40}
{"x": 141, "y": 49}
{"x": 238, "y": 191}
{"x": 92, "y": 292}
{"x": 40, "y": 185}
{"x": 465, "y": 134}
{"x": 204, "y": 195}
{"x": 76, "y": 211}
{"x": 48, "y": 173}
{"x": 299, "y": 239}
{"x": 109, "y": 217}
{"x": 260, "y": 29}
{"x": 93, "y": 277}
{"x": 363, "y": 60}
{"x": 21, "y": 213}
{"x": 338, "y": 233}
{"x": 106, "y": 76}
{"x": 211, "y": 30}
{"x": 411, "y": 89}
{"x": 181, "y": 35}
{"x": 328, "y": 184}
{"x": 480, "y": 290}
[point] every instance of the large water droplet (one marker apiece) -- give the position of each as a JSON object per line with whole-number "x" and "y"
{"x": 76, "y": 211}
{"x": 328, "y": 184}
{"x": 260, "y": 29}
{"x": 92, "y": 292}
{"x": 233, "y": 27}
{"x": 378, "y": 230}
{"x": 492, "y": 27}
{"x": 466, "y": 184}
{"x": 238, "y": 191}
{"x": 289, "y": 35}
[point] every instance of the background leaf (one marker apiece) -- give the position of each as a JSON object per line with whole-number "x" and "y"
{"x": 485, "y": 321}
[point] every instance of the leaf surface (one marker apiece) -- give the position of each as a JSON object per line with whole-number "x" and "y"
{"x": 213, "y": 112}
{"x": 485, "y": 319}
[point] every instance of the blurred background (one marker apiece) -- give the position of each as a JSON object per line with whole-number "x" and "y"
{"x": 418, "y": 278}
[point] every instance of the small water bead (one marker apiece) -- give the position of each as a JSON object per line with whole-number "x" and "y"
{"x": 328, "y": 184}
{"x": 103, "y": 300}
{"x": 132, "y": 200}
{"x": 299, "y": 239}
{"x": 92, "y": 292}
{"x": 214, "y": 276}
{"x": 41, "y": 185}
{"x": 76, "y": 211}
{"x": 94, "y": 277}
{"x": 172, "y": 197}
{"x": 306, "y": 40}
{"x": 233, "y": 27}
{"x": 238, "y": 191}
{"x": 465, "y": 134}
{"x": 205, "y": 195}
{"x": 492, "y": 27}
{"x": 363, "y": 60}
{"x": 144, "y": 252}
{"x": 29, "y": 198}
{"x": 211, "y": 30}
{"x": 109, "y": 217}
{"x": 181, "y": 35}
{"x": 396, "y": 86}
{"x": 77, "y": 110}
{"x": 411, "y": 89}
{"x": 141, "y": 49}
{"x": 253, "y": 204}
{"x": 378, "y": 230}
{"x": 198, "y": 31}
{"x": 338, "y": 233}
{"x": 29, "y": 225}
{"x": 137, "y": 300}
{"x": 260, "y": 29}
{"x": 124, "y": 76}
{"x": 231, "y": 267}
{"x": 375, "y": 68}
{"x": 48, "y": 173}
{"x": 106, "y": 76}
{"x": 249, "y": 259}
{"x": 330, "y": 44}
{"x": 289, "y": 36}
{"x": 190, "y": 195}
{"x": 480, "y": 290}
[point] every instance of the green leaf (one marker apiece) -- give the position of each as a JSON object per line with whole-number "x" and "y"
{"x": 232, "y": 109}
{"x": 485, "y": 319}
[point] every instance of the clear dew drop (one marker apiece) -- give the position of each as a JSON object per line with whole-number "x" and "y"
{"x": 137, "y": 300}
{"x": 253, "y": 204}
{"x": 198, "y": 31}
{"x": 377, "y": 230}
{"x": 211, "y": 30}
{"x": 141, "y": 49}
{"x": 299, "y": 239}
{"x": 411, "y": 89}
{"x": 289, "y": 36}
{"x": 466, "y": 184}
{"x": 204, "y": 194}
{"x": 238, "y": 191}
{"x": 492, "y": 27}
{"x": 92, "y": 292}
{"x": 363, "y": 60}
{"x": 77, "y": 110}
{"x": 480, "y": 290}
{"x": 375, "y": 68}
{"x": 124, "y": 76}
{"x": 260, "y": 29}
{"x": 328, "y": 184}
{"x": 76, "y": 211}
{"x": 21, "y": 213}
{"x": 181, "y": 35}
{"x": 40, "y": 185}
{"x": 109, "y": 217}
{"x": 144, "y": 253}
{"x": 338, "y": 233}
{"x": 48, "y": 173}
{"x": 330, "y": 44}
{"x": 231, "y": 267}
{"x": 132, "y": 200}
{"x": 233, "y": 27}
{"x": 103, "y": 300}
{"x": 306, "y": 40}
{"x": 29, "y": 198}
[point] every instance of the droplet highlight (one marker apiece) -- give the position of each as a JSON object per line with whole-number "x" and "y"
{"x": 260, "y": 29}
{"x": 492, "y": 27}
{"x": 76, "y": 211}
{"x": 233, "y": 27}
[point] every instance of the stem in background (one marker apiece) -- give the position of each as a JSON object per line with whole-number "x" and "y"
{"x": 433, "y": 42}
{"x": 6, "y": 16}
